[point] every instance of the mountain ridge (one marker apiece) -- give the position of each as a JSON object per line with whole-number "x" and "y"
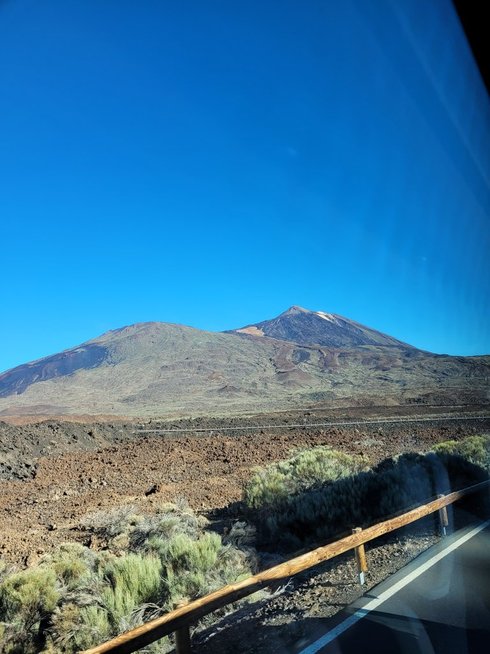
{"x": 304, "y": 326}
{"x": 300, "y": 357}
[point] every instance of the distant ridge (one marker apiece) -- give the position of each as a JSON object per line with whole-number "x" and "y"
{"x": 300, "y": 358}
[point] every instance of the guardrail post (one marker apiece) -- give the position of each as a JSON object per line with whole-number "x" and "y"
{"x": 443, "y": 518}
{"x": 362, "y": 567}
{"x": 183, "y": 635}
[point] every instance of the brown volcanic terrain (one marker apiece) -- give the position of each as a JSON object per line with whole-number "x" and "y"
{"x": 325, "y": 369}
{"x": 54, "y": 472}
{"x": 305, "y": 327}
{"x": 295, "y": 360}
{"x": 77, "y": 468}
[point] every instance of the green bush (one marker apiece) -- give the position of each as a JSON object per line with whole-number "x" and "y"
{"x": 132, "y": 580}
{"x": 307, "y": 469}
{"x": 27, "y": 600}
{"x": 76, "y": 627}
{"x": 475, "y": 449}
{"x": 76, "y": 598}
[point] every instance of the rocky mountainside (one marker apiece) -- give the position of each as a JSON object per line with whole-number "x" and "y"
{"x": 301, "y": 358}
{"x": 317, "y": 327}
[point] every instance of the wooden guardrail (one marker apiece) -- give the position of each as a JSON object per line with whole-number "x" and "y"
{"x": 182, "y": 617}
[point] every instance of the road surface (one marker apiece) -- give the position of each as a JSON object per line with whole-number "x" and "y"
{"x": 440, "y": 603}
{"x": 312, "y": 425}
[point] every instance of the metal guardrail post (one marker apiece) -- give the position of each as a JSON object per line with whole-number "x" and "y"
{"x": 443, "y": 517}
{"x": 362, "y": 567}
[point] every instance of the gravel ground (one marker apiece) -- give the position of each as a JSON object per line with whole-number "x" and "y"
{"x": 54, "y": 473}
{"x": 70, "y": 469}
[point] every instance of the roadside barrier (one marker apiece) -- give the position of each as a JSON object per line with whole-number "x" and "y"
{"x": 183, "y": 616}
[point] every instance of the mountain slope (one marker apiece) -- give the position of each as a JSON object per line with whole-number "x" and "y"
{"x": 166, "y": 369}
{"x": 308, "y": 327}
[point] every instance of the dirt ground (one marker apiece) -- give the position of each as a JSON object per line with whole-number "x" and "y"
{"x": 54, "y": 473}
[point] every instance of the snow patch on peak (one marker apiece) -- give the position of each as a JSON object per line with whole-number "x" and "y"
{"x": 326, "y": 316}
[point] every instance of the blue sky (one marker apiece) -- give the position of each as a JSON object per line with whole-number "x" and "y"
{"x": 212, "y": 163}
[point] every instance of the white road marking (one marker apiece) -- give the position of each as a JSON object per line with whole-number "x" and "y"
{"x": 373, "y": 604}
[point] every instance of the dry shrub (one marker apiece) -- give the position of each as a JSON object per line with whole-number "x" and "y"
{"x": 307, "y": 469}
{"x": 475, "y": 449}
{"x": 76, "y": 598}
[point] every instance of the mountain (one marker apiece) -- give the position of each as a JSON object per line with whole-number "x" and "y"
{"x": 317, "y": 327}
{"x": 299, "y": 359}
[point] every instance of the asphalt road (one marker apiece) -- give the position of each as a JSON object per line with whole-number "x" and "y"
{"x": 440, "y": 603}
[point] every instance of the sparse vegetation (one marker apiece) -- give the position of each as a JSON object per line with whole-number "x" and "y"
{"x": 76, "y": 597}
{"x": 291, "y": 511}
{"x": 305, "y": 470}
{"x": 475, "y": 449}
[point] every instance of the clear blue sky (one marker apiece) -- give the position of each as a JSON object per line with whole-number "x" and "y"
{"x": 213, "y": 162}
